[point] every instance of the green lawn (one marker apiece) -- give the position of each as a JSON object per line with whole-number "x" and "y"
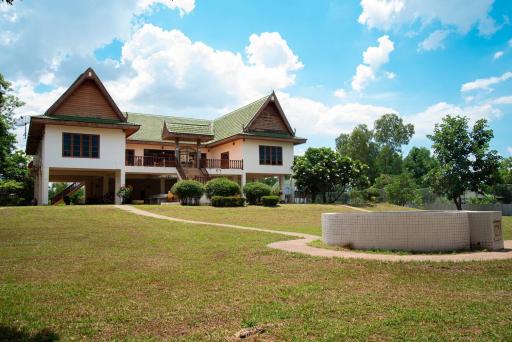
{"x": 101, "y": 273}
{"x": 292, "y": 217}
{"x": 507, "y": 227}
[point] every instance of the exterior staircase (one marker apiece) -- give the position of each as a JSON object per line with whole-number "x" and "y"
{"x": 70, "y": 190}
{"x": 199, "y": 174}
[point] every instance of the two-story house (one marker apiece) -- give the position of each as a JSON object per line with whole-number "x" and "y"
{"x": 85, "y": 139}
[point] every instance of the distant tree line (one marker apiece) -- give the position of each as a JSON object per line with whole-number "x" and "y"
{"x": 16, "y": 183}
{"x": 368, "y": 164}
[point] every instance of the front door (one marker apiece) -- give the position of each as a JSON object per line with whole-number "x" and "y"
{"x": 224, "y": 160}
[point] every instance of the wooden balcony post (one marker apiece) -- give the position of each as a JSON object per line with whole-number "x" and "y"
{"x": 198, "y": 153}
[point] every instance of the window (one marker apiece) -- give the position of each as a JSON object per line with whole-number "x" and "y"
{"x": 80, "y": 145}
{"x": 271, "y": 155}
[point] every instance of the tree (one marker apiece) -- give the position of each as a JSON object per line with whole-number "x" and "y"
{"x": 324, "y": 171}
{"x": 505, "y": 170}
{"x": 418, "y": 163}
{"x": 359, "y": 145}
{"x": 402, "y": 190}
{"x": 388, "y": 162}
{"x": 9, "y": 2}
{"x": 465, "y": 161}
{"x": 8, "y": 104}
{"x": 390, "y": 130}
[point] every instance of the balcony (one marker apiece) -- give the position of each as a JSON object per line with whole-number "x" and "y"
{"x": 150, "y": 161}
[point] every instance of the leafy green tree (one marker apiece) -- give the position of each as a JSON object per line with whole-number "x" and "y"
{"x": 388, "y": 162}
{"x": 390, "y": 130}
{"x": 505, "y": 170}
{"x": 8, "y": 104}
{"x": 359, "y": 145}
{"x": 418, "y": 163}
{"x": 323, "y": 171}
{"x": 465, "y": 161}
{"x": 402, "y": 190}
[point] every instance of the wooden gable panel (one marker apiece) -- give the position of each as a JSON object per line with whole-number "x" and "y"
{"x": 269, "y": 119}
{"x": 87, "y": 101}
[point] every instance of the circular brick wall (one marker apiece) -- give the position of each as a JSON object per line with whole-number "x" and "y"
{"x": 419, "y": 231}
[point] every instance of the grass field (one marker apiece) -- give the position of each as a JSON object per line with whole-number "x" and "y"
{"x": 101, "y": 273}
{"x": 292, "y": 217}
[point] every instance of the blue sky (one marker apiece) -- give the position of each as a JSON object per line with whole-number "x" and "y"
{"x": 333, "y": 64}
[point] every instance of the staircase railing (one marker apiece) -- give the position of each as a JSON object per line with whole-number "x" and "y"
{"x": 67, "y": 191}
{"x": 181, "y": 172}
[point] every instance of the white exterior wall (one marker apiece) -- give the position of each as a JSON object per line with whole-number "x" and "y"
{"x": 235, "y": 149}
{"x": 112, "y": 146}
{"x": 251, "y": 156}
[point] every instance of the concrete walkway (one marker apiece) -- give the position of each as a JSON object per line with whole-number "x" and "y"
{"x": 301, "y": 245}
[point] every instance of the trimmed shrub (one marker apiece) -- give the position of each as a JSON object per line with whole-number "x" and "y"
{"x": 228, "y": 201}
{"x": 357, "y": 198}
{"x": 269, "y": 201}
{"x": 255, "y": 190}
{"x": 221, "y": 187}
{"x": 189, "y": 191}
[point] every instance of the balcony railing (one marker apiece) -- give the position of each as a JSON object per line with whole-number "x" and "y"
{"x": 150, "y": 161}
{"x": 222, "y": 164}
{"x": 171, "y": 162}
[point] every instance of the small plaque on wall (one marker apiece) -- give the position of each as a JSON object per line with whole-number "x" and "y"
{"x": 498, "y": 235}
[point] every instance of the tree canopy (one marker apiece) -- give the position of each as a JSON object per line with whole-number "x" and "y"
{"x": 359, "y": 145}
{"x": 13, "y": 164}
{"x": 390, "y": 130}
{"x": 465, "y": 161}
{"x": 324, "y": 171}
{"x": 418, "y": 163}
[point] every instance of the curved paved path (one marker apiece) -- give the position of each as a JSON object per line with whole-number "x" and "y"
{"x": 301, "y": 245}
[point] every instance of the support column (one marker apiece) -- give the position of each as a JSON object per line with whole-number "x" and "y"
{"x": 120, "y": 181}
{"x": 162, "y": 186}
{"x": 243, "y": 180}
{"x": 281, "y": 187}
{"x": 198, "y": 153}
{"x": 177, "y": 150}
{"x": 43, "y": 186}
{"x": 36, "y": 186}
{"x": 105, "y": 185}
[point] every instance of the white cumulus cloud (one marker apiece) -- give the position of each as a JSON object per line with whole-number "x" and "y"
{"x": 434, "y": 41}
{"x": 485, "y": 83}
{"x": 42, "y": 36}
{"x": 509, "y": 149}
{"x": 315, "y": 117}
{"x": 459, "y": 14}
{"x": 498, "y": 55}
{"x": 373, "y": 58}
{"x": 502, "y": 100}
{"x": 165, "y": 71}
{"x": 424, "y": 121}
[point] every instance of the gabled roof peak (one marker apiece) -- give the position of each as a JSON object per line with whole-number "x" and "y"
{"x": 88, "y": 74}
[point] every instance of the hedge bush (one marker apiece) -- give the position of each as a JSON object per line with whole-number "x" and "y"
{"x": 255, "y": 190}
{"x": 189, "y": 191}
{"x": 221, "y": 187}
{"x": 269, "y": 201}
{"x": 228, "y": 201}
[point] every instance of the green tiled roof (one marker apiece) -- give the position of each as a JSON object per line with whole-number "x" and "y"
{"x": 151, "y": 126}
{"x": 83, "y": 119}
{"x": 189, "y": 126}
{"x": 233, "y": 123}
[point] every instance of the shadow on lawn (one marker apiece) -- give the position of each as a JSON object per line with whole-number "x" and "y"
{"x": 16, "y": 334}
